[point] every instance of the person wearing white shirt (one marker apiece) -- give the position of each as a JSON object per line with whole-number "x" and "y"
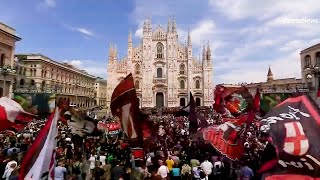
{"x": 7, "y": 173}
{"x": 92, "y": 161}
{"x": 207, "y": 166}
{"x": 163, "y": 171}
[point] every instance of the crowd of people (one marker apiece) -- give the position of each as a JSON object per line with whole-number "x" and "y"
{"x": 171, "y": 154}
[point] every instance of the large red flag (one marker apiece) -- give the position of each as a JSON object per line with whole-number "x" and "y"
{"x": 125, "y": 106}
{"x": 39, "y": 160}
{"x": 12, "y": 114}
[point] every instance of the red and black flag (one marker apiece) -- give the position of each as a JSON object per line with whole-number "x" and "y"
{"x": 226, "y": 138}
{"x": 294, "y": 126}
{"x": 236, "y": 100}
{"x": 125, "y": 106}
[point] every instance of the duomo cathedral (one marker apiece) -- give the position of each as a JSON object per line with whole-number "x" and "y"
{"x": 164, "y": 70}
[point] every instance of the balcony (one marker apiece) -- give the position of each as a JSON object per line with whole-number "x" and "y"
{"x": 183, "y": 91}
{"x": 159, "y": 61}
{"x": 157, "y": 80}
{"x": 197, "y": 91}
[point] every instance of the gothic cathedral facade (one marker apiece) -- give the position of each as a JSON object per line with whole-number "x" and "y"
{"x": 164, "y": 70}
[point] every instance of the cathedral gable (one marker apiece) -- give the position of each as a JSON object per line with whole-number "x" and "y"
{"x": 159, "y": 34}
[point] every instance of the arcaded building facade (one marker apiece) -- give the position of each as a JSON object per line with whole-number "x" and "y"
{"x": 164, "y": 69}
{"x": 310, "y": 69}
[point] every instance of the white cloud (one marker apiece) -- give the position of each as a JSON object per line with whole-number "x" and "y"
{"x": 50, "y": 3}
{"x": 139, "y": 33}
{"x": 75, "y": 63}
{"x": 250, "y": 71}
{"x": 262, "y": 10}
{"x": 85, "y": 31}
{"x": 246, "y": 36}
{"x": 203, "y": 31}
{"x": 291, "y": 45}
{"x": 89, "y": 66}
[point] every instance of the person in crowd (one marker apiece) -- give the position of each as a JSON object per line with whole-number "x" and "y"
{"x": 163, "y": 170}
{"x": 92, "y": 160}
{"x": 77, "y": 167}
{"x": 246, "y": 172}
{"x": 175, "y": 173}
{"x": 99, "y": 172}
{"x": 185, "y": 170}
{"x": 170, "y": 163}
{"x": 60, "y": 172}
{"x": 7, "y": 173}
{"x": 117, "y": 172}
{"x": 207, "y": 166}
{"x": 218, "y": 167}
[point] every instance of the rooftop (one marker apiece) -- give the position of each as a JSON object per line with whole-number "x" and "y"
{"x": 9, "y": 31}
{"x": 310, "y": 48}
{"x": 38, "y": 56}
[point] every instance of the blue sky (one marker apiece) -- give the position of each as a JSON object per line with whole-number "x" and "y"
{"x": 246, "y": 35}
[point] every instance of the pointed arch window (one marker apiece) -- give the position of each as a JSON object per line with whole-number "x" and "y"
{"x": 159, "y": 73}
{"x": 137, "y": 69}
{"x": 137, "y": 84}
{"x": 182, "y": 84}
{"x": 197, "y": 84}
{"x": 182, "y": 69}
{"x": 160, "y": 50}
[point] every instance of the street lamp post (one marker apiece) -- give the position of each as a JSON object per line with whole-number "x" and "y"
{"x": 6, "y": 70}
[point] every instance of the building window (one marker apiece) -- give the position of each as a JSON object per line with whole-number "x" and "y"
{"x": 307, "y": 61}
{"x": 21, "y": 82}
{"x": 309, "y": 80}
{"x": 159, "y": 72}
{"x": 137, "y": 85}
{"x": 159, "y": 50}
{"x": 182, "y": 69}
{"x": 197, "y": 84}
{"x": 318, "y": 58}
{"x": 137, "y": 69}
{"x": 32, "y": 82}
{"x": 2, "y": 60}
{"x": 182, "y": 85}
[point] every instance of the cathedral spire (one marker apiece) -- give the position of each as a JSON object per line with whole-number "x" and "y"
{"x": 189, "y": 38}
{"x": 169, "y": 25}
{"x": 174, "y": 25}
{"x": 130, "y": 39}
{"x": 208, "y": 51}
{"x": 204, "y": 54}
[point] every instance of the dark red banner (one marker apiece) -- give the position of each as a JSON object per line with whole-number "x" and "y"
{"x": 225, "y": 139}
{"x": 112, "y": 126}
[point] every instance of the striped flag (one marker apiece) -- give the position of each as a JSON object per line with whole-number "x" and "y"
{"x": 39, "y": 160}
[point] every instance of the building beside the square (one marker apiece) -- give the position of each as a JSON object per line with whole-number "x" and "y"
{"x": 37, "y": 73}
{"x": 310, "y": 69}
{"x": 8, "y": 39}
{"x": 271, "y": 85}
{"x": 164, "y": 70}
{"x": 100, "y": 92}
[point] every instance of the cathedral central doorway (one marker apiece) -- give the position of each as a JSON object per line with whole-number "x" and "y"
{"x": 182, "y": 102}
{"x": 198, "y": 102}
{"x": 159, "y": 100}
